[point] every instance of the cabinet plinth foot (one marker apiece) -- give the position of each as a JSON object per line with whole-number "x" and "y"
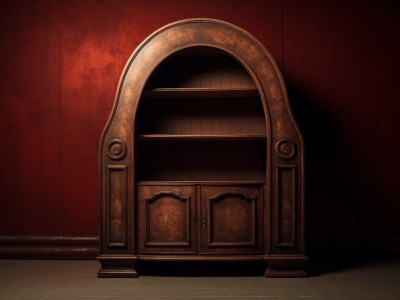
{"x": 117, "y": 267}
{"x": 286, "y": 266}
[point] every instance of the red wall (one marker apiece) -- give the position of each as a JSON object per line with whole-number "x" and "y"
{"x": 341, "y": 64}
{"x": 61, "y": 62}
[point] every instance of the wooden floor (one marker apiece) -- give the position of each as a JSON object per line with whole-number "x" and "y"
{"x": 73, "y": 279}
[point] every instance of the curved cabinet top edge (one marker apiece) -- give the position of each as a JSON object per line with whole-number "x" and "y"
{"x": 262, "y": 50}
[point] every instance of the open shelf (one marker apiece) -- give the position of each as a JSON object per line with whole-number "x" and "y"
{"x": 200, "y": 182}
{"x": 200, "y": 70}
{"x": 192, "y": 117}
{"x": 208, "y": 160}
{"x": 199, "y": 137}
{"x": 201, "y": 93}
{"x": 200, "y": 120}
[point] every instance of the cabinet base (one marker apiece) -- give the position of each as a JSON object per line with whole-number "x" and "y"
{"x": 283, "y": 266}
{"x": 113, "y": 266}
{"x": 278, "y": 266}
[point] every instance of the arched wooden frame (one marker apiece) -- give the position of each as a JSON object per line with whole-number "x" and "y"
{"x": 284, "y": 192}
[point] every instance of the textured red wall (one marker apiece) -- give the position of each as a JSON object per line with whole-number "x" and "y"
{"x": 341, "y": 63}
{"x": 61, "y": 62}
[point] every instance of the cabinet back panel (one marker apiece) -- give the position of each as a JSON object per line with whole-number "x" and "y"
{"x": 201, "y": 161}
{"x": 201, "y": 116}
{"x": 192, "y": 71}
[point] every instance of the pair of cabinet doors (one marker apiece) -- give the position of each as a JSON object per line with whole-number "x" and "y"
{"x": 200, "y": 219}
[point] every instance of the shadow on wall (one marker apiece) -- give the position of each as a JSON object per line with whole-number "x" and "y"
{"x": 340, "y": 219}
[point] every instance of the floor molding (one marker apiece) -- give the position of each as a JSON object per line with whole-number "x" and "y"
{"x": 49, "y": 247}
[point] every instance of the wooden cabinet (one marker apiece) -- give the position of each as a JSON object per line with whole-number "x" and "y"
{"x": 231, "y": 219}
{"x": 201, "y": 132}
{"x": 201, "y": 158}
{"x": 167, "y": 219}
{"x": 225, "y": 219}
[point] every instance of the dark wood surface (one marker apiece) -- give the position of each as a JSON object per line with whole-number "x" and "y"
{"x": 225, "y": 219}
{"x": 201, "y": 67}
{"x": 205, "y": 182}
{"x": 201, "y": 160}
{"x": 201, "y": 116}
{"x": 216, "y": 92}
{"x": 200, "y": 137}
{"x": 167, "y": 219}
{"x": 231, "y": 219}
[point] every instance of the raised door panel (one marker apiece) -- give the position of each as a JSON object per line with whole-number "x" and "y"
{"x": 166, "y": 220}
{"x": 231, "y": 219}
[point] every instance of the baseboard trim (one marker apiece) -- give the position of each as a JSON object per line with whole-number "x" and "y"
{"x": 87, "y": 247}
{"x": 49, "y": 247}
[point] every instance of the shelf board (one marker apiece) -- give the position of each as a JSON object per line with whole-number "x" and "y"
{"x": 201, "y": 93}
{"x": 203, "y": 182}
{"x": 199, "y": 137}
{"x": 202, "y": 257}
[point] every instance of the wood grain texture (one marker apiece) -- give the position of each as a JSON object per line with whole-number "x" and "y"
{"x": 200, "y": 67}
{"x": 117, "y": 206}
{"x": 286, "y": 235}
{"x": 166, "y": 223}
{"x": 233, "y": 219}
{"x": 202, "y": 115}
{"x": 201, "y": 160}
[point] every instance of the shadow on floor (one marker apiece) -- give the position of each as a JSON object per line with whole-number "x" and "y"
{"x": 332, "y": 257}
{"x": 315, "y": 267}
{"x": 188, "y": 269}
{"x": 321, "y": 267}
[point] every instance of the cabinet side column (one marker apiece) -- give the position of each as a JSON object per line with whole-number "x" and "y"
{"x": 286, "y": 257}
{"x": 116, "y": 238}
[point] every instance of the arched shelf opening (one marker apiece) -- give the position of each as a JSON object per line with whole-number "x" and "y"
{"x": 203, "y": 108}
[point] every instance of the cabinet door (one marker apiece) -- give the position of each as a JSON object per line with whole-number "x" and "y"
{"x": 231, "y": 219}
{"x": 167, "y": 219}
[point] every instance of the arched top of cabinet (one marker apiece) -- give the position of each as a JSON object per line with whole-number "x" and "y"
{"x": 202, "y": 33}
